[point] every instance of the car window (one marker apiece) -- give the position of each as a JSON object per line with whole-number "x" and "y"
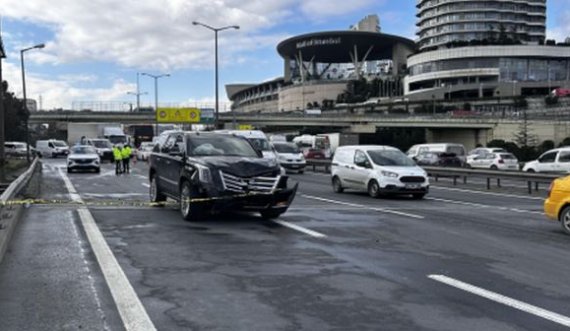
{"x": 50, "y": 145}
{"x": 457, "y": 150}
{"x": 169, "y": 144}
{"x": 508, "y": 157}
{"x": 83, "y": 150}
{"x": 424, "y": 149}
{"x": 490, "y": 156}
{"x": 360, "y": 157}
{"x": 564, "y": 157}
{"x": 548, "y": 157}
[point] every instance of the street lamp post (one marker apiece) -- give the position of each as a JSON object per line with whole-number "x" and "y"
{"x": 38, "y": 46}
{"x": 2, "y": 154}
{"x": 216, "y": 30}
{"x": 155, "y": 77}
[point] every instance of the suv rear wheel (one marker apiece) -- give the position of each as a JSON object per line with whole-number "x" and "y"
{"x": 155, "y": 195}
{"x": 374, "y": 189}
{"x": 191, "y": 211}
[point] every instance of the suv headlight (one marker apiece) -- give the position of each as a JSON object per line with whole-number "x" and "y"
{"x": 389, "y": 174}
{"x": 204, "y": 173}
{"x": 283, "y": 172}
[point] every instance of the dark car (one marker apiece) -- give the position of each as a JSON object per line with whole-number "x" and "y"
{"x": 212, "y": 172}
{"x": 438, "y": 159}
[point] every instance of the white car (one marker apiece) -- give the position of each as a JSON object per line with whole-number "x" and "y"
{"x": 83, "y": 157}
{"x": 378, "y": 170}
{"x": 257, "y": 138}
{"x": 555, "y": 160}
{"x": 52, "y": 148}
{"x": 143, "y": 153}
{"x": 494, "y": 161}
{"x": 482, "y": 151}
{"x": 290, "y": 157}
{"x": 103, "y": 147}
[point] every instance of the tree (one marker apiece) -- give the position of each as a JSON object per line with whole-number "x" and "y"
{"x": 15, "y": 116}
{"x": 526, "y": 140}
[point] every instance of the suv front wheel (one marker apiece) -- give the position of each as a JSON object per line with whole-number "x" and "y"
{"x": 155, "y": 195}
{"x": 191, "y": 211}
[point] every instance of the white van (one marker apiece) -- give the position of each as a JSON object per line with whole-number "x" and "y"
{"x": 457, "y": 149}
{"x": 555, "y": 160}
{"x": 378, "y": 170}
{"x": 257, "y": 139}
{"x": 52, "y": 148}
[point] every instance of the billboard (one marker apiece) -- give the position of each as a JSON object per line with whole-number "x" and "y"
{"x": 178, "y": 115}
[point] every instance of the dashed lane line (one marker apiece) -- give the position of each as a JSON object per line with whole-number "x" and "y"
{"x": 131, "y": 310}
{"x": 300, "y": 229}
{"x": 145, "y": 185}
{"x": 499, "y": 298}
{"x": 473, "y": 204}
{"x": 382, "y": 210}
{"x": 485, "y": 193}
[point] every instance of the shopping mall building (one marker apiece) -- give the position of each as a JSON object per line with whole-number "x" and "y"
{"x": 465, "y": 49}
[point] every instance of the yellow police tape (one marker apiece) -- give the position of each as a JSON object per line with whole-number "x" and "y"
{"x": 114, "y": 203}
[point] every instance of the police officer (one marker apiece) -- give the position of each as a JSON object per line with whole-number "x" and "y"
{"x": 118, "y": 156}
{"x": 126, "y": 155}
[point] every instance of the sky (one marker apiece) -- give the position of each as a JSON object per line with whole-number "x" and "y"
{"x": 94, "y": 48}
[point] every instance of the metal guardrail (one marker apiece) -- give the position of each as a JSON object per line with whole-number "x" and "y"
{"x": 17, "y": 185}
{"x": 533, "y": 180}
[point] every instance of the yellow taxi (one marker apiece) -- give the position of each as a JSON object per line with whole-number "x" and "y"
{"x": 557, "y": 205}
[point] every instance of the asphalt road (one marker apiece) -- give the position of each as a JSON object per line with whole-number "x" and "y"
{"x": 333, "y": 261}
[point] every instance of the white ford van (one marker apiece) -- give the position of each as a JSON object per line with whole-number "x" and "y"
{"x": 378, "y": 170}
{"x": 457, "y": 149}
{"x": 52, "y": 148}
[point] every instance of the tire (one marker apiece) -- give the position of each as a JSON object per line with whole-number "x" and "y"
{"x": 564, "y": 219}
{"x": 531, "y": 170}
{"x": 374, "y": 189}
{"x": 53, "y": 156}
{"x": 337, "y": 185}
{"x": 494, "y": 167}
{"x": 190, "y": 211}
{"x": 301, "y": 172}
{"x": 154, "y": 192}
{"x": 418, "y": 196}
{"x": 269, "y": 214}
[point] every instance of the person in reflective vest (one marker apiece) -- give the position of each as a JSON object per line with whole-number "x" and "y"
{"x": 126, "y": 155}
{"x": 118, "y": 156}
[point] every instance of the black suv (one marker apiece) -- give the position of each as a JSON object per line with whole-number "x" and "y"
{"x": 211, "y": 172}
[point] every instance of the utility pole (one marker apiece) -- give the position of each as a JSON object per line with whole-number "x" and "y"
{"x": 38, "y": 46}
{"x": 2, "y": 121}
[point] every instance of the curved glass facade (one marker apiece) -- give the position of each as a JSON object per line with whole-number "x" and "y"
{"x": 442, "y": 21}
{"x": 511, "y": 69}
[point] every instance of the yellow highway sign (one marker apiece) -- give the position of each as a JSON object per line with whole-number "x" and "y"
{"x": 178, "y": 115}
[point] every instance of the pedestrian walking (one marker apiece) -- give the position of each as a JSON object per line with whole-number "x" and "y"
{"x": 126, "y": 156}
{"x": 118, "y": 156}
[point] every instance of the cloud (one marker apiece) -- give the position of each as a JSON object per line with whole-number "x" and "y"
{"x": 63, "y": 91}
{"x": 331, "y": 8}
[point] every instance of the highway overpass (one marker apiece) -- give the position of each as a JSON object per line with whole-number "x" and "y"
{"x": 467, "y": 130}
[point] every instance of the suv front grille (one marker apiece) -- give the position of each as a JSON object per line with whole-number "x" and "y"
{"x": 412, "y": 179}
{"x": 254, "y": 184}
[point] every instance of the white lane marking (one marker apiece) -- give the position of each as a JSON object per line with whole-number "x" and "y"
{"x": 70, "y": 188}
{"x": 382, "y": 210}
{"x": 141, "y": 176}
{"x": 513, "y": 303}
{"x": 145, "y": 185}
{"x": 300, "y": 229}
{"x": 131, "y": 310}
{"x": 473, "y": 204}
{"x": 486, "y": 193}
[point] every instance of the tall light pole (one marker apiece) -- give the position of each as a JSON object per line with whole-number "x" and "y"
{"x": 155, "y": 77}
{"x": 25, "y": 99}
{"x": 2, "y": 154}
{"x": 138, "y": 95}
{"x": 216, "y": 30}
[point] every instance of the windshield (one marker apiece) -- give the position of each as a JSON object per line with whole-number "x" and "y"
{"x": 117, "y": 139}
{"x": 59, "y": 144}
{"x": 83, "y": 150}
{"x": 287, "y": 148}
{"x": 101, "y": 143}
{"x": 219, "y": 145}
{"x": 457, "y": 150}
{"x": 391, "y": 158}
{"x": 260, "y": 143}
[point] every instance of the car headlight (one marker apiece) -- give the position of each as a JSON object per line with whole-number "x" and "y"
{"x": 283, "y": 171}
{"x": 389, "y": 174}
{"x": 302, "y": 158}
{"x": 204, "y": 173}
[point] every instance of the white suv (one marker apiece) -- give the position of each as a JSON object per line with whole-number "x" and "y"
{"x": 378, "y": 170}
{"x": 556, "y": 160}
